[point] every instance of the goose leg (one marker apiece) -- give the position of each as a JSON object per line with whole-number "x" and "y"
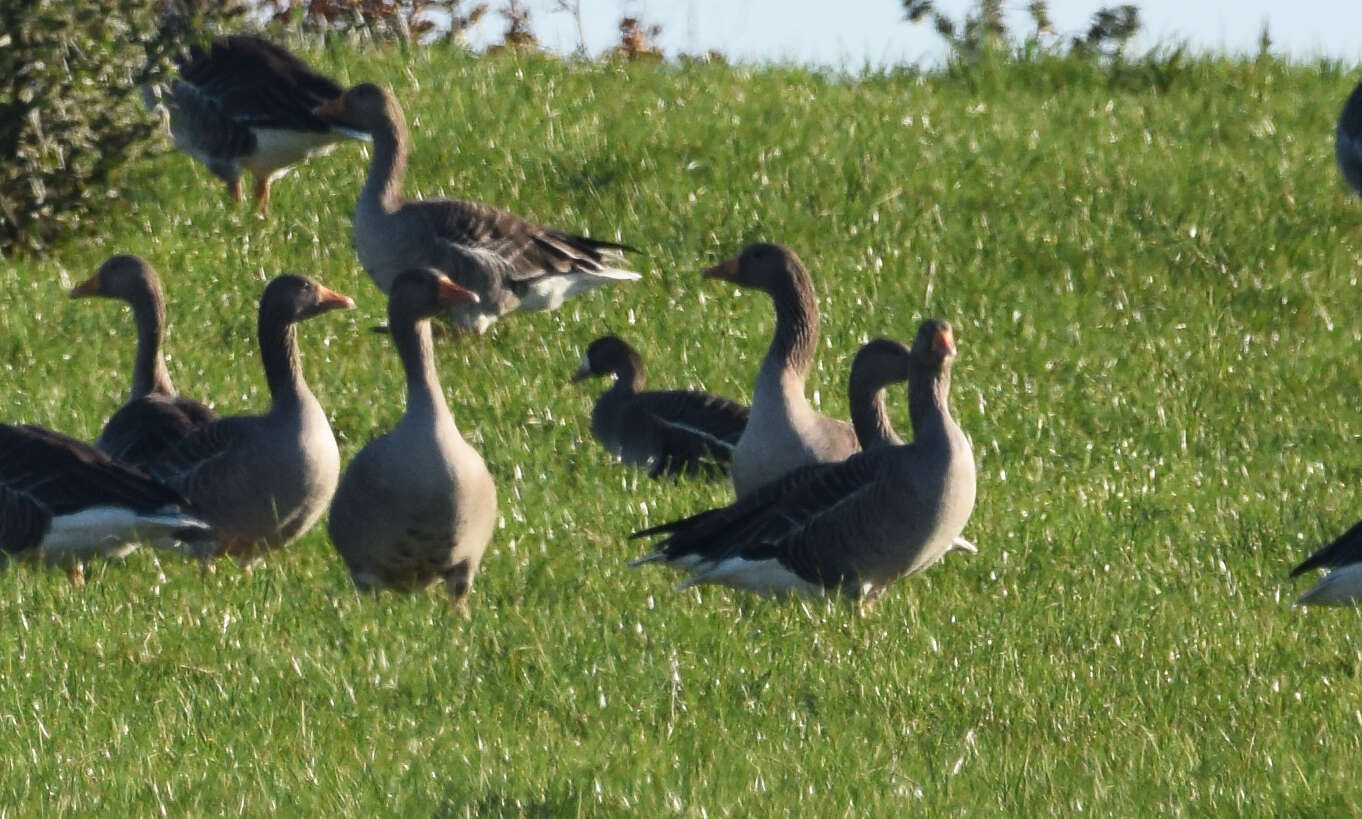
{"x": 75, "y": 573}
{"x": 457, "y": 583}
{"x": 262, "y": 194}
{"x": 234, "y": 190}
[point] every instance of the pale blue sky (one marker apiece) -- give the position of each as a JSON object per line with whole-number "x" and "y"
{"x": 850, "y": 33}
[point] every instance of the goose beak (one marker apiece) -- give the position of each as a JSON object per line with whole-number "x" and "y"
{"x": 89, "y": 287}
{"x": 584, "y": 371}
{"x": 943, "y": 343}
{"x": 726, "y": 270}
{"x": 328, "y": 299}
{"x": 448, "y": 294}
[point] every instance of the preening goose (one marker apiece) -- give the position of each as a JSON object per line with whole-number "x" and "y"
{"x": 417, "y": 504}
{"x": 64, "y": 501}
{"x": 1348, "y": 139}
{"x": 262, "y": 480}
{"x": 154, "y": 416}
{"x": 784, "y": 432}
{"x": 247, "y": 104}
{"x": 670, "y": 432}
{"x": 510, "y": 263}
{"x": 1343, "y": 585}
{"x": 854, "y": 526}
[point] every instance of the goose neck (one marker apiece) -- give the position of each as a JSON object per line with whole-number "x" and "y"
{"x": 388, "y": 167}
{"x": 869, "y": 416}
{"x": 928, "y": 405}
{"x": 417, "y": 351}
{"x": 796, "y": 334}
{"x": 282, "y": 361}
{"x": 149, "y": 373}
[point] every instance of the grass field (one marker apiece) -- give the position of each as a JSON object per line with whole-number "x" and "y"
{"x": 1156, "y": 300}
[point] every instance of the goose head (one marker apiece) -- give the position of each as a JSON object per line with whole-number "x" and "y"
{"x": 120, "y": 277}
{"x": 606, "y": 355}
{"x": 290, "y": 298}
{"x": 879, "y": 363}
{"x": 364, "y": 108}
{"x": 422, "y": 293}
{"x": 761, "y": 266}
{"x": 934, "y": 347}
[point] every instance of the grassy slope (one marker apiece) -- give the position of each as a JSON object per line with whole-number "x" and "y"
{"x": 1156, "y": 301}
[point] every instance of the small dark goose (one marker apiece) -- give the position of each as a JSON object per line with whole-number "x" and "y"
{"x": 1348, "y": 139}
{"x": 512, "y": 264}
{"x": 417, "y": 504}
{"x": 64, "y": 501}
{"x": 852, "y": 527}
{"x": 1343, "y": 585}
{"x": 246, "y": 104}
{"x": 154, "y": 416}
{"x": 262, "y": 480}
{"x": 784, "y": 431}
{"x": 670, "y": 432}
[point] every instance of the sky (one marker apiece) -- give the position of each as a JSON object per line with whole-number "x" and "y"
{"x": 853, "y": 34}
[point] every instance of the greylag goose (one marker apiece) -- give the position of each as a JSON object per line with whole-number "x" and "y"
{"x": 854, "y": 526}
{"x": 670, "y": 432}
{"x": 509, "y": 262}
{"x": 878, "y": 364}
{"x": 63, "y": 500}
{"x": 784, "y": 431}
{"x": 1343, "y": 585}
{"x": 417, "y": 504}
{"x": 154, "y": 416}
{"x": 1348, "y": 139}
{"x": 246, "y": 104}
{"x": 262, "y": 480}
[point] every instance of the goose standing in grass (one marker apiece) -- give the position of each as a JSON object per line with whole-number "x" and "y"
{"x": 670, "y": 432}
{"x": 64, "y": 501}
{"x": 154, "y": 416}
{"x": 1348, "y": 139}
{"x": 784, "y": 431}
{"x": 262, "y": 480}
{"x": 509, "y": 262}
{"x": 417, "y": 504}
{"x": 246, "y": 104}
{"x": 855, "y": 526}
{"x": 1343, "y": 585}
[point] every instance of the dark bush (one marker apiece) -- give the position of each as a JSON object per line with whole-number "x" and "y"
{"x": 70, "y": 114}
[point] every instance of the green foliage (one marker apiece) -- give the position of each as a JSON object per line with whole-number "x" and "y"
{"x": 1155, "y": 299}
{"x": 69, "y": 76}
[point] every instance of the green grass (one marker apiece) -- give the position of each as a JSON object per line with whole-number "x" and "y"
{"x": 1156, "y": 301}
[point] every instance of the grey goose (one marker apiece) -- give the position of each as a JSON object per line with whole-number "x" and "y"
{"x": 246, "y": 104}
{"x": 63, "y": 501}
{"x": 1348, "y": 140}
{"x": 262, "y": 480}
{"x": 784, "y": 431}
{"x": 416, "y": 504}
{"x": 512, "y": 264}
{"x": 851, "y": 527}
{"x": 155, "y": 416}
{"x": 1343, "y": 585}
{"x": 671, "y": 432}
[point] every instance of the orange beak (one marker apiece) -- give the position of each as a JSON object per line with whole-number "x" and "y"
{"x": 726, "y": 270}
{"x": 448, "y": 294}
{"x": 89, "y": 287}
{"x": 328, "y": 299}
{"x": 944, "y": 343}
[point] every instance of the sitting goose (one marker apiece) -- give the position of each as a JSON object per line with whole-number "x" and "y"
{"x": 673, "y": 432}
{"x": 784, "y": 432}
{"x": 63, "y": 500}
{"x": 154, "y": 417}
{"x": 1343, "y": 585}
{"x": 1348, "y": 139}
{"x": 262, "y": 480}
{"x": 246, "y": 104}
{"x": 854, "y": 526}
{"x": 510, "y": 263}
{"x": 417, "y": 504}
